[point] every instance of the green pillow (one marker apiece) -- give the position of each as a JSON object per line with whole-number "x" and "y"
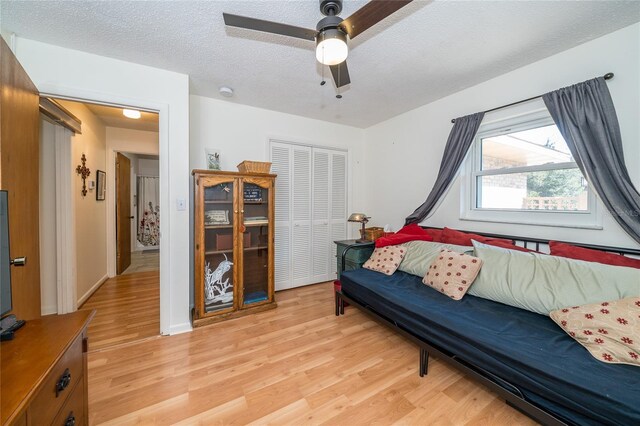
{"x": 542, "y": 283}
{"x": 420, "y": 255}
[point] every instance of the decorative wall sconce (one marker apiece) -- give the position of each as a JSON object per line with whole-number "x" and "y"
{"x": 84, "y": 173}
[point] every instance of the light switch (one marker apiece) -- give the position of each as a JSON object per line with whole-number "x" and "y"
{"x": 181, "y": 204}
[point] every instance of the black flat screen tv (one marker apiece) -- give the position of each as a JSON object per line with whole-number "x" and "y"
{"x": 5, "y": 262}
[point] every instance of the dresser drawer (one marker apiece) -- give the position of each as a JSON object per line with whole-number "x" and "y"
{"x": 72, "y": 412}
{"x": 57, "y": 386}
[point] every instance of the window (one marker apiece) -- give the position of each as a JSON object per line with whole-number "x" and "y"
{"x": 521, "y": 171}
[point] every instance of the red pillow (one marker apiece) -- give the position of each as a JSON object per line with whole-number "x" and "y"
{"x": 436, "y": 234}
{"x": 581, "y": 253}
{"x": 411, "y": 232}
{"x": 413, "y": 229}
{"x": 451, "y": 236}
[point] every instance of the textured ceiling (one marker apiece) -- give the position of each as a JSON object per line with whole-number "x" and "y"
{"x": 113, "y": 117}
{"x": 425, "y": 51}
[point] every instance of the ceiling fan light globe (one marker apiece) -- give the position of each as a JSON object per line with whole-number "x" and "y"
{"x": 331, "y": 48}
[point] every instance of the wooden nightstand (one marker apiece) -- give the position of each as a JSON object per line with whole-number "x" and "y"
{"x": 355, "y": 254}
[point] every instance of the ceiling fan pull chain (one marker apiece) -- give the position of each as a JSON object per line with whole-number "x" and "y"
{"x": 323, "y": 82}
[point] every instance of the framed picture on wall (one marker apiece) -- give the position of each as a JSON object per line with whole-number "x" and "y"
{"x": 101, "y": 185}
{"x": 213, "y": 158}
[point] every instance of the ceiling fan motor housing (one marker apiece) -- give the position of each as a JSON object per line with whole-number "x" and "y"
{"x": 328, "y": 23}
{"x": 330, "y": 7}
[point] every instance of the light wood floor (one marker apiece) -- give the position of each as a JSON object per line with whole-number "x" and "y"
{"x": 144, "y": 261}
{"x": 127, "y": 309}
{"x": 297, "y": 364}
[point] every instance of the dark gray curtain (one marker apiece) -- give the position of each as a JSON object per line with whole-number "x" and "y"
{"x": 587, "y": 119}
{"x": 458, "y": 144}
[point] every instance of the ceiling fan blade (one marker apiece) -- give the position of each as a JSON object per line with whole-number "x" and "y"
{"x": 340, "y": 74}
{"x": 370, "y": 14}
{"x": 269, "y": 27}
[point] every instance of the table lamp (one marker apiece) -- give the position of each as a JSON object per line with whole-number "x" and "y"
{"x": 360, "y": 218}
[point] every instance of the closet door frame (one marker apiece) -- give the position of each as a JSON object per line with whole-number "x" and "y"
{"x": 276, "y": 141}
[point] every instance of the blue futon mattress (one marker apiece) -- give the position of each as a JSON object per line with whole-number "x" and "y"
{"x": 527, "y": 349}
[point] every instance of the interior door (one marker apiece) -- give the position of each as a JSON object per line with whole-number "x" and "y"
{"x": 123, "y": 213}
{"x": 301, "y": 215}
{"x": 338, "y": 204}
{"x": 19, "y": 165}
{"x": 322, "y": 247}
{"x": 281, "y": 159}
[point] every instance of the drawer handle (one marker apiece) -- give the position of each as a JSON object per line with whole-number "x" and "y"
{"x": 71, "y": 420}
{"x": 63, "y": 382}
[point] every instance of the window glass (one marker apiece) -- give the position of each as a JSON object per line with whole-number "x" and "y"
{"x": 541, "y": 145}
{"x": 560, "y": 189}
{"x": 520, "y": 170}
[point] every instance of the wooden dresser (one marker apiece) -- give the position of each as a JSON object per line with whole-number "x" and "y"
{"x": 43, "y": 372}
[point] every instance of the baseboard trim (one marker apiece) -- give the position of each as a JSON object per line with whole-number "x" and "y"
{"x": 92, "y": 290}
{"x": 185, "y": 327}
{"x": 49, "y": 310}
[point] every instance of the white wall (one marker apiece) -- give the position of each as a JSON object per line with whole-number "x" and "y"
{"x": 133, "y": 141}
{"x": 90, "y": 214}
{"x": 242, "y": 132}
{"x": 408, "y": 148}
{"x": 148, "y": 167}
{"x": 64, "y": 72}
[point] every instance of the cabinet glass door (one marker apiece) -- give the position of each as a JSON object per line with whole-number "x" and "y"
{"x": 256, "y": 235}
{"x": 218, "y": 218}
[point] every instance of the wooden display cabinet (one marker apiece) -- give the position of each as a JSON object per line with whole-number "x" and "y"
{"x": 234, "y": 251}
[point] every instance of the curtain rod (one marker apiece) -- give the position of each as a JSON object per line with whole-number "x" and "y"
{"x": 607, "y": 76}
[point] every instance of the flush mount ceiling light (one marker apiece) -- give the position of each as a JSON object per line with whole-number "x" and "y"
{"x": 131, "y": 113}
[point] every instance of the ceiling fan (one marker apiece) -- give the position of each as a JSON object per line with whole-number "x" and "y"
{"x": 332, "y": 33}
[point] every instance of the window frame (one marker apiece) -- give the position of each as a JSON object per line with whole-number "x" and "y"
{"x": 472, "y": 170}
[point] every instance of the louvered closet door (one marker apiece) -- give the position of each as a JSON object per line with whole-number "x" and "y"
{"x": 301, "y": 213}
{"x": 281, "y": 165}
{"x": 321, "y": 242}
{"x": 311, "y": 212}
{"x": 337, "y": 205}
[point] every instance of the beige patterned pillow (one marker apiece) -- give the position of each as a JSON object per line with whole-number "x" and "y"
{"x": 386, "y": 259}
{"x": 610, "y": 331}
{"x": 452, "y": 273}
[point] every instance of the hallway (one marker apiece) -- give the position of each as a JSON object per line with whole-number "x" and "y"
{"x": 143, "y": 261}
{"x": 127, "y": 309}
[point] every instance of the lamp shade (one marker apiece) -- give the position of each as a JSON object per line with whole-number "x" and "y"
{"x": 331, "y": 47}
{"x": 358, "y": 217}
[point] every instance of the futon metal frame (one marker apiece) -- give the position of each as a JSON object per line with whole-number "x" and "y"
{"x": 512, "y": 395}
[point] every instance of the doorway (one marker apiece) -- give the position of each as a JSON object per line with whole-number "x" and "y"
{"x": 137, "y": 213}
{"x": 106, "y": 132}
